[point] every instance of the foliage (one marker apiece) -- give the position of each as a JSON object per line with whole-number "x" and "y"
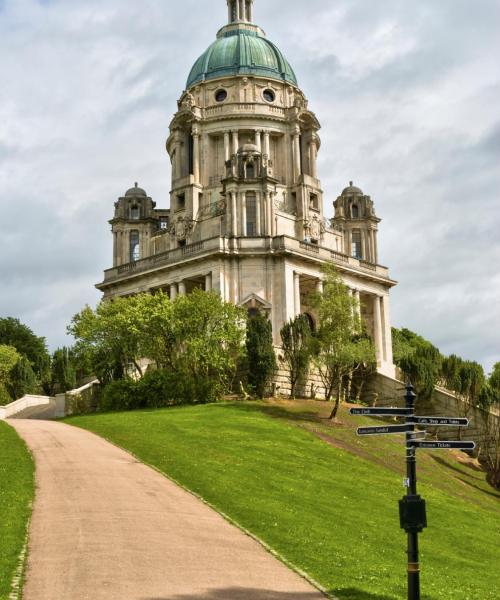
{"x": 260, "y": 353}
{"x": 494, "y": 382}
{"x": 467, "y": 379}
{"x": 9, "y": 357}
{"x": 296, "y": 344}
{"x": 419, "y": 360}
{"x": 340, "y": 348}
{"x": 17, "y": 489}
{"x": 490, "y": 448}
{"x": 14, "y": 333}
{"x": 23, "y": 379}
{"x": 63, "y": 370}
{"x": 228, "y": 453}
{"x": 198, "y": 338}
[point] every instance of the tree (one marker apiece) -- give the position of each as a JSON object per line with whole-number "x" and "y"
{"x": 9, "y": 357}
{"x": 494, "y": 382}
{"x": 63, "y": 370}
{"x": 296, "y": 343}
{"x": 340, "y": 347}
{"x": 490, "y": 448}
{"x": 420, "y": 361}
{"x": 260, "y": 353}
{"x": 14, "y": 333}
{"x": 23, "y": 379}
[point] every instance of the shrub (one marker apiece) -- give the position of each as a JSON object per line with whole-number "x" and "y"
{"x": 260, "y": 353}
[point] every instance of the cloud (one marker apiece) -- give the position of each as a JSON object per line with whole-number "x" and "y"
{"x": 407, "y": 94}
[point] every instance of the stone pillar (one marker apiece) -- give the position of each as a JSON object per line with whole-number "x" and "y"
{"x": 296, "y": 292}
{"x": 242, "y": 10}
{"x": 258, "y": 140}
{"x": 387, "y": 331}
{"x": 227, "y": 146}
{"x": 250, "y": 12}
{"x": 208, "y": 282}
{"x": 296, "y": 154}
{"x": 196, "y": 155}
{"x": 319, "y": 286}
{"x": 234, "y": 214}
{"x": 243, "y": 214}
{"x": 273, "y": 216}
{"x": 377, "y": 329}
{"x": 182, "y": 288}
{"x": 373, "y": 234}
{"x": 173, "y": 291}
{"x": 357, "y": 297}
{"x": 266, "y": 143}
{"x": 313, "y": 158}
{"x": 258, "y": 216}
{"x": 230, "y": 11}
{"x": 236, "y": 143}
{"x": 237, "y": 2}
{"x": 178, "y": 160}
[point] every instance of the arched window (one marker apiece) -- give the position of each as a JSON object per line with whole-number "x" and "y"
{"x": 135, "y": 251}
{"x": 250, "y": 170}
{"x": 135, "y": 213}
{"x": 355, "y": 211}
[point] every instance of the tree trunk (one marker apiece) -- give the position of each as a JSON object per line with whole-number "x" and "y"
{"x": 336, "y": 405}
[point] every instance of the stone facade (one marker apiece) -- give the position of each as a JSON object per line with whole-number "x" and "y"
{"x": 246, "y": 205}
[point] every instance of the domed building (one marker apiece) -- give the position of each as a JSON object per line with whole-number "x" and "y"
{"x": 246, "y": 204}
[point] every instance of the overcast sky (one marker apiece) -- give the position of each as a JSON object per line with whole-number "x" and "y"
{"x": 407, "y": 92}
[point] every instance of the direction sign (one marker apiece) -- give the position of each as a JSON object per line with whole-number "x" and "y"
{"x": 441, "y": 445}
{"x": 383, "y": 430}
{"x": 439, "y": 421}
{"x": 376, "y": 411}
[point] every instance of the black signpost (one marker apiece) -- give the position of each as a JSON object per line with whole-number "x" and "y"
{"x": 412, "y": 511}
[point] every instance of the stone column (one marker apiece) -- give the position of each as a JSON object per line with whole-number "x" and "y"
{"x": 196, "y": 155}
{"x": 296, "y": 154}
{"x": 230, "y": 11}
{"x": 386, "y": 328}
{"x": 234, "y": 214}
{"x": 182, "y": 288}
{"x": 266, "y": 143}
{"x": 258, "y": 216}
{"x": 319, "y": 286}
{"x": 357, "y": 297}
{"x": 296, "y": 292}
{"x": 173, "y": 291}
{"x": 237, "y": 2}
{"x": 250, "y": 12}
{"x": 236, "y": 143}
{"x": 243, "y": 214}
{"x": 313, "y": 158}
{"x": 242, "y": 10}
{"x": 178, "y": 160}
{"x": 373, "y": 234}
{"x": 273, "y": 216}
{"x": 208, "y": 282}
{"x": 227, "y": 146}
{"x": 377, "y": 329}
{"x": 258, "y": 140}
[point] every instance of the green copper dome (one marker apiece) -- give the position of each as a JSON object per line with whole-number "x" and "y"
{"x": 241, "y": 51}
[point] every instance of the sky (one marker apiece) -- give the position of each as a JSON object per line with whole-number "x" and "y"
{"x": 408, "y": 95}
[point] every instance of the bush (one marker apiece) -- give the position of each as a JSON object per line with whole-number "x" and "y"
{"x": 157, "y": 389}
{"x": 260, "y": 353}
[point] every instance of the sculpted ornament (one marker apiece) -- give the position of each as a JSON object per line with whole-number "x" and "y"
{"x": 182, "y": 228}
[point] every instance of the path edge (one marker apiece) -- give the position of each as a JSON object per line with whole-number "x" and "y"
{"x": 225, "y": 516}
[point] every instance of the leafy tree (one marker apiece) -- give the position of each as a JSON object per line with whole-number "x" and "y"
{"x": 419, "y": 360}
{"x": 296, "y": 343}
{"x": 9, "y": 357}
{"x": 14, "y": 333}
{"x": 340, "y": 348}
{"x": 63, "y": 370}
{"x": 260, "y": 353}
{"x": 23, "y": 379}
{"x": 494, "y": 382}
{"x": 490, "y": 448}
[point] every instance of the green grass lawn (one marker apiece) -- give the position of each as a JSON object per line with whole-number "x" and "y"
{"x": 320, "y": 497}
{"x": 16, "y": 494}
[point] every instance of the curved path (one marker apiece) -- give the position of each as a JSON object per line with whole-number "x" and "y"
{"x": 106, "y": 527}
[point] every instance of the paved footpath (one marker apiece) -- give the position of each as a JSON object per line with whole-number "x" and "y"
{"x": 106, "y": 527}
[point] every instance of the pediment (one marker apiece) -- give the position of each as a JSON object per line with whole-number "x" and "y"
{"x": 255, "y": 301}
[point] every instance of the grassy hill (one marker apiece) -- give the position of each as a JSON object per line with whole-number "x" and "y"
{"x": 323, "y": 499}
{"x": 16, "y": 493}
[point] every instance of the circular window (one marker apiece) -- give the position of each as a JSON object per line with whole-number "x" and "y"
{"x": 221, "y": 95}
{"x": 269, "y": 95}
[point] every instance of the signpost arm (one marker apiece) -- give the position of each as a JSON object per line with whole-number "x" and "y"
{"x": 411, "y": 469}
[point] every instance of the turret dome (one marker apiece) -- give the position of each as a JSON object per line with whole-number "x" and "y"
{"x": 241, "y": 49}
{"x": 136, "y": 191}
{"x": 352, "y": 190}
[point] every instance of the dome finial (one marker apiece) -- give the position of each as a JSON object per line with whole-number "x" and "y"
{"x": 351, "y": 183}
{"x": 240, "y": 11}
